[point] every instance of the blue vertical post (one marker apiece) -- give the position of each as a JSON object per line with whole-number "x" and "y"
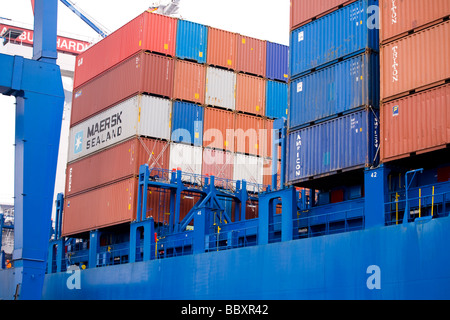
{"x": 279, "y": 138}
{"x": 94, "y": 246}
{"x": 45, "y": 31}
{"x": 144, "y": 175}
{"x": 200, "y": 222}
{"x": 375, "y": 186}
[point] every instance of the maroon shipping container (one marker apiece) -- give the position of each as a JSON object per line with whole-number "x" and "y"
{"x": 222, "y": 50}
{"x": 190, "y": 81}
{"x": 219, "y": 164}
{"x": 147, "y": 32}
{"x": 141, "y": 73}
{"x": 415, "y": 124}
{"x": 218, "y": 129}
{"x": 400, "y": 17}
{"x": 304, "y": 11}
{"x": 115, "y": 163}
{"x": 250, "y": 94}
{"x": 107, "y": 206}
{"x": 249, "y": 135}
{"x": 251, "y": 55}
{"x": 416, "y": 62}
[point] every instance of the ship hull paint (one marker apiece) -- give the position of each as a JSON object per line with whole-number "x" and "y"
{"x": 413, "y": 263}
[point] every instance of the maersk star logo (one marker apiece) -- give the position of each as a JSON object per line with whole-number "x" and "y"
{"x": 78, "y": 142}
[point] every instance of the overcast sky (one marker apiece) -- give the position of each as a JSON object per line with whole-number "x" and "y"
{"x": 262, "y": 19}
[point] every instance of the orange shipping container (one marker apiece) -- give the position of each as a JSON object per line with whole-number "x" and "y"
{"x": 190, "y": 79}
{"x": 107, "y": 206}
{"x": 400, "y": 17}
{"x": 115, "y": 163}
{"x": 417, "y": 123}
{"x": 147, "y": 32}
{"x": 251, "y": 55}
{"x": 250, "y": 94}
{"x": 141, "y": 73}
{"x": 269, "y": 140}
{"x": 219, "y": 164}
{"x": 222, "y": 50}
{"x": 303, "y": 11}
{"x": 249, "y": 134}
{"x": 218, "y": 129}
{"x": 415, "y": 62}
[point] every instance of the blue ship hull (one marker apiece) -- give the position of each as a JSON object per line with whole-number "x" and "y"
{"x": 409, "y": 261}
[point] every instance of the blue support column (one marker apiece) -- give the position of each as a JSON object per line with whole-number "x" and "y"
{"x": 45, "y": 30}
{"x": 200, "y": 224}
{"x": 94, "y": 246}
{"x": 148, "y": 243}
{"x": 375, "y": 189}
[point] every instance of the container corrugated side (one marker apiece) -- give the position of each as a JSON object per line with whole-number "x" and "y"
{"x": 341, "y": 144}
{"x": 269, "y": 140}
{"x": 147, "y": 32}
{"x": 192, "y": 41}
{"x": 115, "y": 163}
{"x": 250, "y": 134}
{"x": 188, "y": 159}
{"x": 99, "y": 208}
{"x": 277, "y": 62}
{"x": 248, "y": 168}
{"x": 276, "y": 99}
{"x": 250, "y": 94}
{"x": 189, "y": 81}
{"x": 415, "y": 124}
{"x": 218, "y": 129}
{"x": 251, "y": 55}
{"x": 415, "y": 62}
{"x": 334, "y": 90}
{"x": 222, "y": 51}
{"x": 220, "y": 88}
{"x": 397, "y": 17}
{"x": 141, "y": 73}
{"x": 187, "y": 123}
{"x": 304, "y": 11}
{"x": 219, "y": 164}
{"x": 337, "y": 35}
{"x": 138, "y": 116}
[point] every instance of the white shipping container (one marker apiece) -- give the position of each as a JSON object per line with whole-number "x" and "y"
{"x": 188, "y": 159}
{"x": 220, "y": 88}
{"x": 138, "y": 116}
{"x": 250, "y": 169}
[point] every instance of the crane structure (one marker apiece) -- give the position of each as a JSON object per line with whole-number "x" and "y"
{"x": 37, "y": 86}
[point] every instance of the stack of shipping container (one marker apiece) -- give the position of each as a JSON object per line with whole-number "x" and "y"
{"x": 333, "y": 89}
{"x": 172, "y": 94}
{"x": 415, "y": 73}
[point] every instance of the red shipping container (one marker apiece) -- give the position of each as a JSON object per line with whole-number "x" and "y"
{"x": 115, "y": 163}
{"x": 222, "y": 50}
{"x": 250, "y": 94}
{"x": 400, "y": 17}
{"x": 218, "y": 129}
{"x": 219, "y": 164}
{"x": 417, "y": 123}
{"x": 249, "y": 133}
{"x": 107, "y": 206}
{"x": 415, "y": 62}
{"x": 190, "y": 81}
{"x": 251, "y": 55}
{"x": 303, "y": 11}
{"x": 147, "y": 32}
{"x": 141, "y": 73}
{"x": 267, "y": 173}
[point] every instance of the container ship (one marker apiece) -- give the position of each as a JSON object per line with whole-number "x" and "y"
{"x": 208, "y": 165}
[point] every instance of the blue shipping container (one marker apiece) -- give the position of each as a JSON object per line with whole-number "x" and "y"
{"x": 341, "y": 144}
{"x": 187, "y": 123}
{"x": 192, "y": 41}
{"x": 277, "y": 64}
{"x": 336, "y": 89}
{"x": 276, "y": 99}
{"x": 343, "y": 32}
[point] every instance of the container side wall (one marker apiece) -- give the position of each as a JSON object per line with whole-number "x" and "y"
{"x": 187, "y": 123}
{"x": 192, "y": 41}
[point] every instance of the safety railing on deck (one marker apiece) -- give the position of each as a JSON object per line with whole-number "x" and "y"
{"x": 423, "y": 202}
{"x": 219, "y": 240}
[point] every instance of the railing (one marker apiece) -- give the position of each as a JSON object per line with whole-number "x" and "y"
{"x": 218, "y": 240}
{"x": 424, "y": 203}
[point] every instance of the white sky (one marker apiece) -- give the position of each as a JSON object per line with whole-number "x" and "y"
{"x": 262, "y": 19}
